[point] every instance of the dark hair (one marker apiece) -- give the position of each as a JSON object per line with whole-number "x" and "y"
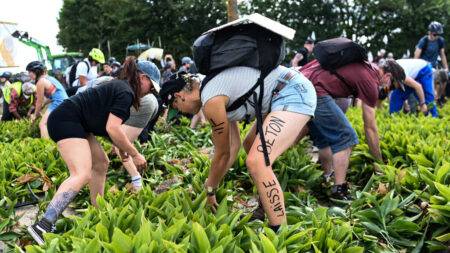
{"x": 391, "y": 66}
{"x": 130, "y": 73}
{"x": 39, "y": 73}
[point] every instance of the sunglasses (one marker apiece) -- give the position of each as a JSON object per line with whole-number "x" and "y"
{"x": 434, "y": 34}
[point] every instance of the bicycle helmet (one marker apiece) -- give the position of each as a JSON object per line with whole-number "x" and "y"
{"x": 97, "y": 55}
{"x": 111, "y": 60}
{"x": 35, "y": 66}
{"x": 436, "y": 27}
{"x": 6, "y": 75}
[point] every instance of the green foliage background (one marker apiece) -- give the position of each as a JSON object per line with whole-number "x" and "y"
{"x": 87, "y": 23}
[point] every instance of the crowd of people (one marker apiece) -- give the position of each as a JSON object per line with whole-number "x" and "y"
{"x": 125, "y": 100}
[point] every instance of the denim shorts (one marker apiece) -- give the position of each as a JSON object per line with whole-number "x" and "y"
{"x": 297, "y": 96}
{"x": 330, "y": 127}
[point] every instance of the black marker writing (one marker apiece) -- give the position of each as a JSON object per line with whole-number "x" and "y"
{"x": 218, "y": 128}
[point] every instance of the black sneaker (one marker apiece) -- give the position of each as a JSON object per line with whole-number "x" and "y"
{"x": 340, "y": 192}
{"x": 38, "y": 229}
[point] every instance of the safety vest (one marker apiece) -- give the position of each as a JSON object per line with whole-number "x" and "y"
{"x": 16, "y": 86}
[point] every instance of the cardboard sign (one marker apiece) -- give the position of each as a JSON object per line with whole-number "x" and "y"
{"x": 260, "y": 20}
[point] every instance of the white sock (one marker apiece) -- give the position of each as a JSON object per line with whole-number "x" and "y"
{"x": 136, "y": 181}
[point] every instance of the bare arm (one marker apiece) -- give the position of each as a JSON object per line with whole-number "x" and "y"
{"x": 444, "y": 58}
{"x": 417, "y": 53}
{"x": 82, "y": 80}
{"x": 118, "y": 136}
{"x": 297, "y": 58}
{"x": 371, "y": 131}
{"x": 216, "y": 114}
{"x": 417, "y": 87}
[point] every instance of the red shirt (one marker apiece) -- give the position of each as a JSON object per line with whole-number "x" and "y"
{"x": 363, "y": 80}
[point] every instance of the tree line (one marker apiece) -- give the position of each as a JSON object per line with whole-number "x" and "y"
{"x": 395, "y": 25}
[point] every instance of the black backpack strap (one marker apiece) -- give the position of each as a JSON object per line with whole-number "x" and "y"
{"x": 243, "y": 99}
{"x": 88, "y": 67}
{"x": 342, "y": 79}
{"x": 258, "y": 114}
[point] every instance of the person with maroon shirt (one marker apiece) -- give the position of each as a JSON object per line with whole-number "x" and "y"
{"x": 330, "y": 130}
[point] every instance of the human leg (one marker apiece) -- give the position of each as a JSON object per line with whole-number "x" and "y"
{"x": 43, "y": 125}
{"x": 278, "y": 128}
{"x": 425, "y": 77}
{"x": 334, "y": 136}
{"x": 136, "y": 180}
{"x": 76, "y": 153}
{"x": 100, "y": 164}
{"x": 326, "y": 161}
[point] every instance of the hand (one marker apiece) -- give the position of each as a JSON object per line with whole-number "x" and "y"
{"x": 424, "y": 108}
{"x": 139, "y": 161}
{"x": 212, "y": 203}
{"x": 122, "y": 154}
{"x": 32, "y": 117}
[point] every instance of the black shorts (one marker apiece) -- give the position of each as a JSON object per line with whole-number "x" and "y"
{"x": 65, "y": 122}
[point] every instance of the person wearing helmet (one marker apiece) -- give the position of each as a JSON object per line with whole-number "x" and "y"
{"x": 110, "y": 67}
{"x": 46, "y": 87}
{"x": 73, "y": 125}
{"x": 19, "y": 100}
{"x": 116, "y": 67}
{"x": 4, "y": 81}
{"x": 84, "y": 71}
{"x": 432, "y": 45}
{"x": 4, "y": 77}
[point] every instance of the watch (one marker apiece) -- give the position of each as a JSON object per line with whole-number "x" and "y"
{"x": 210, "y": 191}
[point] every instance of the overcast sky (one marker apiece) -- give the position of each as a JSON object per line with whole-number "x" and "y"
{"x": 37, "y": 17}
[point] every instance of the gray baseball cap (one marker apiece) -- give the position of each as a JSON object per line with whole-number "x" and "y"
{"x": 186, "y": 60}
{"x": 150, "y": 70}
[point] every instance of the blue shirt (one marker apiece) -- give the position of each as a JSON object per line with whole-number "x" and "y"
{"x": 431, "y": 53}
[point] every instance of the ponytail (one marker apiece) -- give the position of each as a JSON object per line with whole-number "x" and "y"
{"x": 130, "y": 73}
{"x": 39, "y": 73}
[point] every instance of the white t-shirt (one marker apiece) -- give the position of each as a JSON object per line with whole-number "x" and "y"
{"x": 82, "y": 70}
{"x": 412, "y": 67}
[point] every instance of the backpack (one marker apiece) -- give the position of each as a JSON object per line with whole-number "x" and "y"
{"x": 73, "y": 72}
{"x": 247, "y": 45}
{"x": 425, "y": 45}
{"x": 338, "y": 52}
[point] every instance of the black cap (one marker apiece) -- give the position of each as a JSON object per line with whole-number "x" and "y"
{"x": 175, "y": 84}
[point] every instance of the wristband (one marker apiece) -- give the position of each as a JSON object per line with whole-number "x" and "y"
{"x": 210, "y": 191}
{"x": 421, "y": 103}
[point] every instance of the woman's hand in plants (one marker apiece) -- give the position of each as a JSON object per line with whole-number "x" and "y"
{"x": 139, "y": 161}
{"x": 32, "y": 117}
{"x": 212, "y": 202}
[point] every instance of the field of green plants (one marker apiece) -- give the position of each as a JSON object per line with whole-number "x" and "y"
{"x": 402, "y": 207}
